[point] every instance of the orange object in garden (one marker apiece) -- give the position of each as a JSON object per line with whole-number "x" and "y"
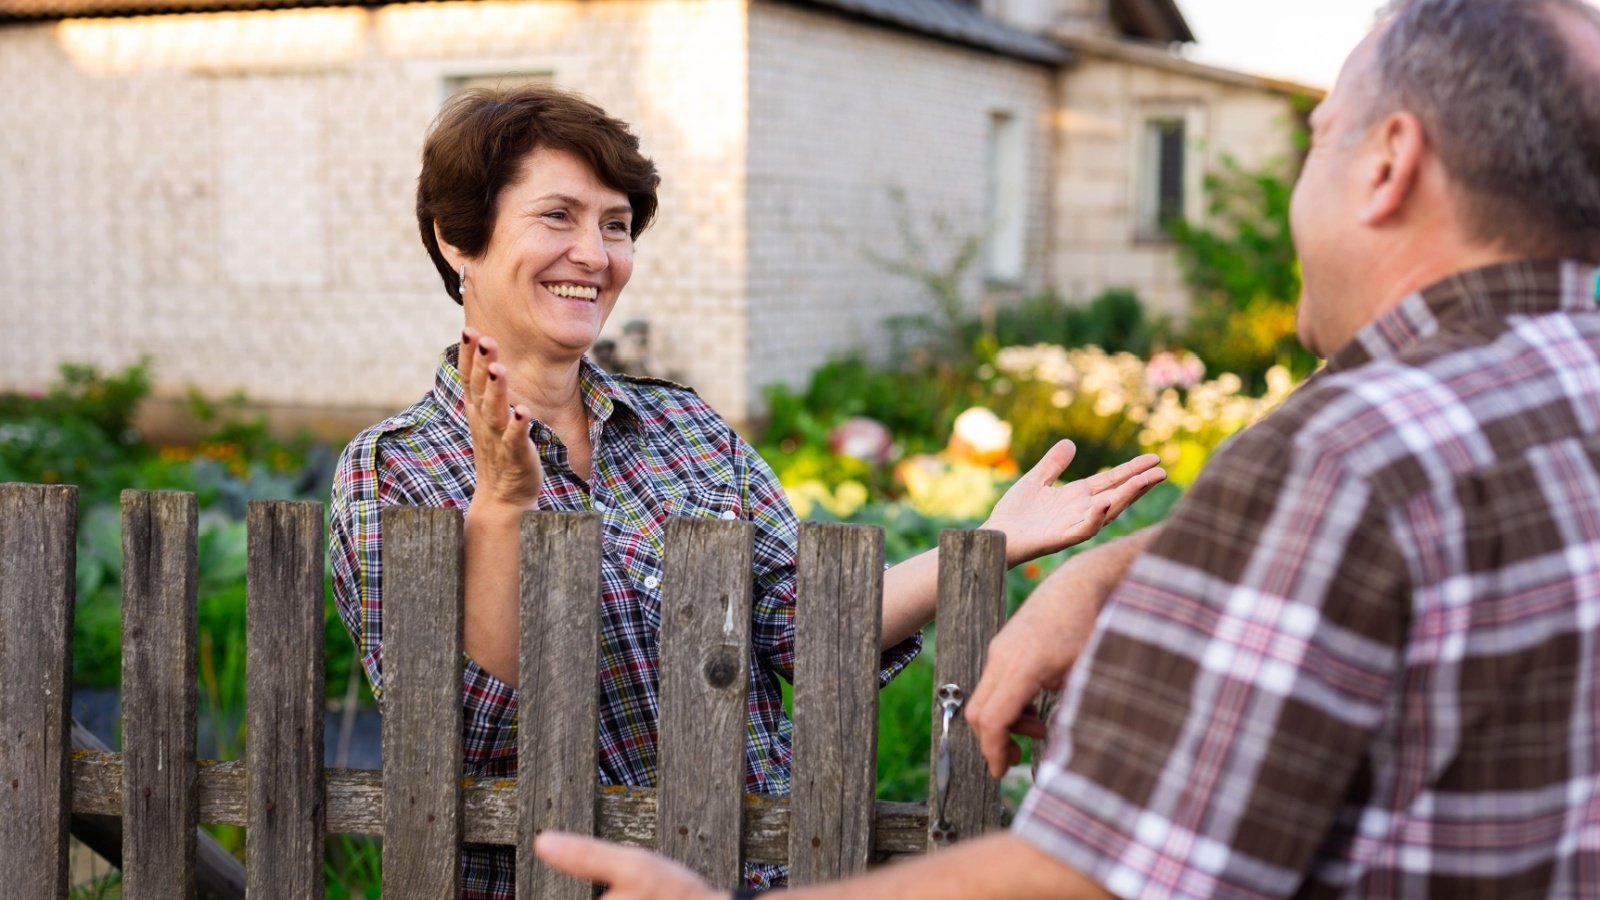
{"x": 982, "y": 438}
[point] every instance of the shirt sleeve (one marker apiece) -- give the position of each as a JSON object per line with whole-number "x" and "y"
{"x": 365, "y": 482}
{"x": 775, "y": 550}
{"x": 1218, "y": 720}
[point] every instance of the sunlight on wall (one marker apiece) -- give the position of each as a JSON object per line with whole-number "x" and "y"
{"x": 411, "y": 29}
{"x": 704, "y": 46}
{"x": 276, "y": 39}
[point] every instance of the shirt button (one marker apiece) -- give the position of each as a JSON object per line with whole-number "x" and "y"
{"x": 652, "y": 582}
{"x": 599, "y": 507}
{"x": 729, "y": 514}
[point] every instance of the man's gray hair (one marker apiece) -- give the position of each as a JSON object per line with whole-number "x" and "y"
{"x": 1511, "y": 110}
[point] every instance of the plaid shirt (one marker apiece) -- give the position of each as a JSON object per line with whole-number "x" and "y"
{"x": 1361, "y": 660}
{"x": 659, "y": 451}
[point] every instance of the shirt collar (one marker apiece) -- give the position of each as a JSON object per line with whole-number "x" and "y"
{"x": 1522, "y": 288}
{"x": 602, "y": 394}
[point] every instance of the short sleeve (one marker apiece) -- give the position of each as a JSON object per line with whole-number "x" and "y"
{"x": 776, "y": 549}
{"x": 367, "y": 480}
{"x": 1215, "y": 726}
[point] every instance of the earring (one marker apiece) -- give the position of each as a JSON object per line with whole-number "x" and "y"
{"x": 462, "y": 287}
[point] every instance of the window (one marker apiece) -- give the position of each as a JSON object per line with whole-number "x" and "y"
{"x": 1163, "y": 176}
{"x": 1005, "y": 216}
{"x": 454, "y": 84}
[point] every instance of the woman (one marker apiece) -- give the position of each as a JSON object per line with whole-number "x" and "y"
{"x": 529, "y": 203}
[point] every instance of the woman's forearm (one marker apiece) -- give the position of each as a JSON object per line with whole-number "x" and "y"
{"x": 911, "y": 589}
{"x": 910, "y": 597}
{"x": 491, "y": 629}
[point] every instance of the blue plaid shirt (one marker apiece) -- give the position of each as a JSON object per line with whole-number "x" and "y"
{"x": 659, "y": 450}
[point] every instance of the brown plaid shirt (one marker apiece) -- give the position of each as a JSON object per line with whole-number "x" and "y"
{"x": 1361, "y": 660}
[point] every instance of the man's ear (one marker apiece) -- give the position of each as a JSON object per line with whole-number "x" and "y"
{"x": 1396, "y": 165}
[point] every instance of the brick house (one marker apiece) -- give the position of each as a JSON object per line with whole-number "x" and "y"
{"x": 227, "y": 185}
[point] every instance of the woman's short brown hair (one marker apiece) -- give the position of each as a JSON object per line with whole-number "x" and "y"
{"x": 478, "y": 143}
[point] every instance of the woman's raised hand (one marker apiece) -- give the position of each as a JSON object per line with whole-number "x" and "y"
{"x": 508, "y": 469}
{"x": 1039, "y": 516}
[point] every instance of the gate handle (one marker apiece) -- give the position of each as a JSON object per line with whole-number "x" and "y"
{"x": 950, "y": 698}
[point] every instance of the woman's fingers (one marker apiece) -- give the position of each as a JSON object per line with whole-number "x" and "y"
{"x": 467, "y": 355}
{"x": 495, "y": 405}
{"x": 1113, "y": 477}
{"x": 1050, "y": 466}
{"x": 1123, "y": 496}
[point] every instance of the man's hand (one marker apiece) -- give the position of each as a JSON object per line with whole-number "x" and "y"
{"x": 631, "y": 872}
{"x": 1033, "y": 652}
{"x": 1039, "y": 516}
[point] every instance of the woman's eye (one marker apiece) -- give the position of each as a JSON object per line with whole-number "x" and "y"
{"x": 617, "y": 227}
{"x": 559, "y": 215}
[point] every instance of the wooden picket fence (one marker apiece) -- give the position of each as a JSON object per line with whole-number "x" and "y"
{"x": 419, "y": 803}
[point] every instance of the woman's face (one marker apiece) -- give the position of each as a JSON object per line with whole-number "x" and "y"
{"x": 559, "y": 254}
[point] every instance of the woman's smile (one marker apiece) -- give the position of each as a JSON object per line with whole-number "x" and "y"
{"x": 561, "y": 243}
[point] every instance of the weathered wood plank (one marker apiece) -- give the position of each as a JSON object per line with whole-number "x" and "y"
{"x": 838, "y": 621}
{"x": 623, "y": 814}
{"x": 422, "y": 584}
{"x": 972, "y": 604}
{"x": 705, "y": 675}
{"x": 218, "y": 874}
{"x": 38, "y": 558}
{"x": 285, "y": 708}
{"x": 559, "y": 656}
{"x": 160, "y": 581}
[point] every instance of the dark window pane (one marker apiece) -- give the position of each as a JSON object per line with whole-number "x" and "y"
{"x": 1169, "y": 178}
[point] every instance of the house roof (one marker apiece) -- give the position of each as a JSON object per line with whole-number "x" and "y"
{"x": 1159, "y": 21}
{"x": 1161, "y": 56}
{"x": 35, "y": 10}
{"x": 959, "y": 21}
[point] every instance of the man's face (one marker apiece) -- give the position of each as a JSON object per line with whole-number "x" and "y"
{"x": 1324, "y": 215}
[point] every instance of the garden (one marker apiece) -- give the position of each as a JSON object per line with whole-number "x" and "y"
{"x": 914, "y": 441}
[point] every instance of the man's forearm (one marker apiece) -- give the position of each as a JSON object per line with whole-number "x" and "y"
{"x": 1097, "y": 571}
{"x": 996, "y": 866}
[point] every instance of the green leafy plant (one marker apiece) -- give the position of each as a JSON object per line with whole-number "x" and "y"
{"x": 353, "y": 867}
{"x": 940, "y": 330}
{"x": 1115, "y": 321}
{"x": 1242, "y": 268}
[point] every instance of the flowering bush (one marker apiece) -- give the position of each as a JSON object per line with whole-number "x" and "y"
{"x": 1115, "y": 405}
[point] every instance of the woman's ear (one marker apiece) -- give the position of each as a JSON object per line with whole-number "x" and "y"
{"x": 452, "y": 253}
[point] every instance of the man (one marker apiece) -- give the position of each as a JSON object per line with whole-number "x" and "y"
{"x": 1362, "y": 658}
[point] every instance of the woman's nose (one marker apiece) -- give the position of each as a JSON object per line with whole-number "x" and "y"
{"x": 589, "y": 249}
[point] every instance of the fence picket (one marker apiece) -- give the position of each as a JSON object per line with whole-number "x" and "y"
{"x": 38, "y": 557}
{"x": 160, "y": 582}
{"x": 838, "y": 621}
{"x": 697, "y": 814}
{"x": 705, "y": 675}
{"x": 972, "y": 607}
{"x": 422, "y": 584}
{"x": 560, "y": 650}
{"x": 285, "y": 709}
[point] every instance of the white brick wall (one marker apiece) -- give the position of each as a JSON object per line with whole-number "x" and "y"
{"x": 233, "y": 194}
{"x": 840, "y": 115}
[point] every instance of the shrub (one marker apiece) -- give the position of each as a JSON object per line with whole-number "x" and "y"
{"x": 1244, "y": 274}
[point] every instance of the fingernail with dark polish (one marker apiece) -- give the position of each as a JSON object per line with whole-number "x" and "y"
{"x": 493, "y": 377}
{"x": 482, "y": 350}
